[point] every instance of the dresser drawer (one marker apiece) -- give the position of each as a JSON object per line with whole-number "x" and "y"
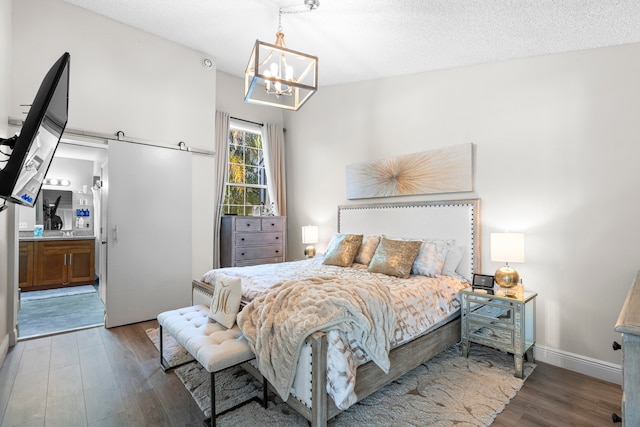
{"x": 259, "y": 261}
{"x": 272, "y": 224}
{"x": 494, "y": 313}
{"x": 258, "y": 239}
{"x": 495, "y": 337}
{"x": 259, "y": 252}
{"x": 248, "y": 224}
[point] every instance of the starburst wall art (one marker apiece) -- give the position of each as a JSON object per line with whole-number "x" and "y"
{"x": 445, "y": 170}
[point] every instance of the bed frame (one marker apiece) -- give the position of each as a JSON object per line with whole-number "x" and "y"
{"x": 457, "y": 219}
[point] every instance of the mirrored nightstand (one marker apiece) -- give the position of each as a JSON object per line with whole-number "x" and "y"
{"x": 501, "y": 322}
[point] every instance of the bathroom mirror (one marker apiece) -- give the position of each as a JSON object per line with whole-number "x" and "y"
{"x": 54, "y": 213}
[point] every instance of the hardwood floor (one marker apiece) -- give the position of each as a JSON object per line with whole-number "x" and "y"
{"x": 111, "y": 377}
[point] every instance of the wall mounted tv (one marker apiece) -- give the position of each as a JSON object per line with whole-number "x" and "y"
{"x": 33, "y": 149}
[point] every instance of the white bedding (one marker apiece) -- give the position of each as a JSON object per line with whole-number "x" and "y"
{"x": 419, "y": 303}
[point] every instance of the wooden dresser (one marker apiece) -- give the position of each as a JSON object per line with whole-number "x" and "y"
{"x": 629, "y": 326}
{"x": 252, "y": 240}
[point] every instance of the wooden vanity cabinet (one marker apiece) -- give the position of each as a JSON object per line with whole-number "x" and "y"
{"x": 64, "y": 262}
{"x": 26, "y": 256}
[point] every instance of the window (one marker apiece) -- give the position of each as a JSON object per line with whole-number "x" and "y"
{"x": 246, "y": 185}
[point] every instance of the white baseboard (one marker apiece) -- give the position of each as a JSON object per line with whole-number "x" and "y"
{"x": 4, "y": 348}
{"x": 575, "y": 362}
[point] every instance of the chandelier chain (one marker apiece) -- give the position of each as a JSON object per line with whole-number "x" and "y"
{"x": 309, "y": 6}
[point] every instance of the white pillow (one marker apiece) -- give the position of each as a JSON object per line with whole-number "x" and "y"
{"x": 451, "y": 263}
{"x": 225, "y": 302}
{"x": 367, "y": 249}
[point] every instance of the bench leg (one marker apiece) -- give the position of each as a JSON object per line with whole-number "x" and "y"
{"x": 265, "y": 390}
{"x": 211, "y": 421}
{"x": 213, "y": 399}
{"x": 163, "y": 363}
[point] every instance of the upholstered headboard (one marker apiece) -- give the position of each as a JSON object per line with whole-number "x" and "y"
{"x": 451, "y": 219}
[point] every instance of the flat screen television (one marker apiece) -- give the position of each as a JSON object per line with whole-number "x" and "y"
{"x": 32, "y": 150}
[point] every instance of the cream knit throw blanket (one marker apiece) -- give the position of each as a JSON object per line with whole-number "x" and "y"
{"x": 277, "y": 323}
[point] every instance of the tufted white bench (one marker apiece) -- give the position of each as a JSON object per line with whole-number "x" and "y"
{"x": 214, "y": 346}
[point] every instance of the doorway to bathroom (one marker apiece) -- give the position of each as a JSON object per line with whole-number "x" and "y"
{"x": 59, "y": 246}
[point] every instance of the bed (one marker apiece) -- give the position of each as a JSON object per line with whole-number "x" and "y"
{"x": 455, "y": 222}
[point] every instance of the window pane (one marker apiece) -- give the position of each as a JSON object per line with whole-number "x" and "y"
{"x": 236, "y": 137}
{"x": 236, "y": 173}
{"x": 253, "y": 157}
{"x": 252, "y": 175}
{"x": 253, "y": 140}
{"x": 236, "y": 195}
{"x": 253, "y": 196}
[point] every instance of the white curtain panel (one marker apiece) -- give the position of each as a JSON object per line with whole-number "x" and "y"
{"x": 273, "y": 144}
{"x": 222, "y": 164}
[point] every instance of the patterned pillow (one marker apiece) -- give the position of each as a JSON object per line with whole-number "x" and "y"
{"x": 394, "y": 257}
{"x": 367, "y": 249}
{"x": 430, "y": 259}
{"x": 225, "y": 302}
{"x": 342, "y": 249}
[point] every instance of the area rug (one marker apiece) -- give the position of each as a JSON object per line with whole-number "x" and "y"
{"x": 448, "y": 390}
{"x": 54, "y": 293}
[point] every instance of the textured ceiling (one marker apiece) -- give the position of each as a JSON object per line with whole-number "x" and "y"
{"x": 359, "y": 40}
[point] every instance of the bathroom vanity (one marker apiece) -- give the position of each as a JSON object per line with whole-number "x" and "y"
{"x": 56, "y": 261}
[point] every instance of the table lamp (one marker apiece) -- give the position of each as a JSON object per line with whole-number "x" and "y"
{"x": 507, "y": 247}
{"x": 309, "y": 237}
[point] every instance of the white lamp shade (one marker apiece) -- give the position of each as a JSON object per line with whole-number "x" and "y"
{"x": 507, "y": 247}
{"x": 309, "y": 234}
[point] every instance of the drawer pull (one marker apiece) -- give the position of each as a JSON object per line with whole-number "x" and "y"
{"x": 277, "y": 237}
{"x": 277, "y": 251}
{"x": 616, "y": 418}
{"x": 616, "y": 346}
{"x": 242, "y": 254}
{"x": 242, "y": 239}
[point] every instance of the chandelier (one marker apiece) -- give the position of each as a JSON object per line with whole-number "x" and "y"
{"x": 280, "y": 77}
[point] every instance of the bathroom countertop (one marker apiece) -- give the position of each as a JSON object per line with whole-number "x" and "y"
{"x": 47, "y": 238}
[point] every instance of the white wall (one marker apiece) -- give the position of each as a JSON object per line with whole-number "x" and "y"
{"x": 556, "y": 142}
{"x": 123, "y": 79}
{"x": 6, "y": 290}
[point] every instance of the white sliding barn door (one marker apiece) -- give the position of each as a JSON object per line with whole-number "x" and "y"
{"x": 148, "y": 232}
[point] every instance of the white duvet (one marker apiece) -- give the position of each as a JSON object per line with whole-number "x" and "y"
{"x": 419, "y": 303}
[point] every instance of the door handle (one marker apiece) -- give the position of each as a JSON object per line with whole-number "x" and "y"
{"x": 65, "y": 259}
{"x": 70, "y": 259}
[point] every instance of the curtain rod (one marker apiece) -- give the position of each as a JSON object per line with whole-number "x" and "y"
{"x": 246, "y": 121}
{"x": 249, "y": 121}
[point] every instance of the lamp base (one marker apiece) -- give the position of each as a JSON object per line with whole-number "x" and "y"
{"x": 507, "y": 277}
{"x": 310, "y": 251}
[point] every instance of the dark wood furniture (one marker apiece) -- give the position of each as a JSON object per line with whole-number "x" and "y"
{"x": 252, "y": 240}
{"x": 26, "y": 264}
{"x": 56, "y": 263}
